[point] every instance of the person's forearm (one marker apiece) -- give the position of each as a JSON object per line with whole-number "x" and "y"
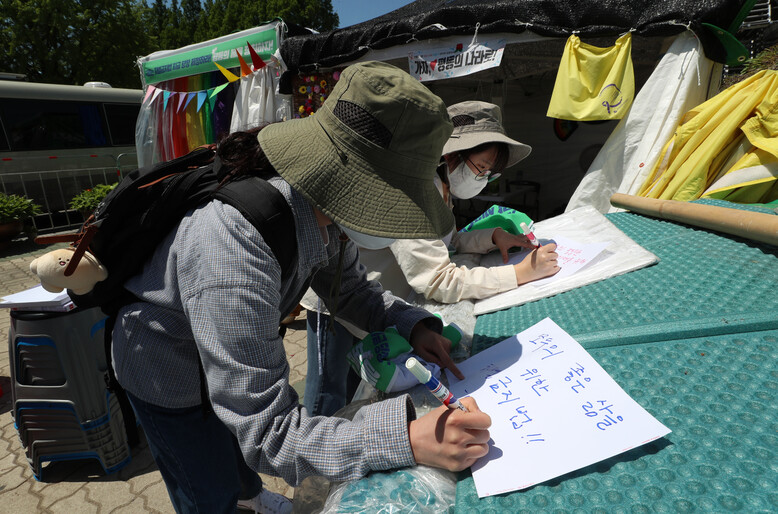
{"x": 453, "y": 284}
{"x": 475, "y": 241}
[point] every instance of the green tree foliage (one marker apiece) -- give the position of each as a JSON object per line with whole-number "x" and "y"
{"x": 313, "y": 14}
{"x": 171, "y": 35}
{"x": 75, "y": 41}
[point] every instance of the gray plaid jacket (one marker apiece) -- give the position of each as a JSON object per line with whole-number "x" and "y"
{"x": 213, "y": 289}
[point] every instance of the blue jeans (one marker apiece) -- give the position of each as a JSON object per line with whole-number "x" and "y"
{"x": 329, "y": 386}
{"x": 199, "y": 458}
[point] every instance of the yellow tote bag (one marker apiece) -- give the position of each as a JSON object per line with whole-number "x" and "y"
{"x": 593, "y": 83}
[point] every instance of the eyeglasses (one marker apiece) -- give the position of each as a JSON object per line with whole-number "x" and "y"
{"x": 484, "y": 174}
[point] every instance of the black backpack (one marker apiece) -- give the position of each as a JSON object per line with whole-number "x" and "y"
{"x": 143, "y": 208}
{"x": 147, "y": 204}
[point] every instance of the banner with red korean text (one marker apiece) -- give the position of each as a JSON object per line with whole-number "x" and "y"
{"x": 463, "y": 58}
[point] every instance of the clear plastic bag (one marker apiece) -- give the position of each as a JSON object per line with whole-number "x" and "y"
{"x": 419, "y": 489}
{"x": 146, "y": 133}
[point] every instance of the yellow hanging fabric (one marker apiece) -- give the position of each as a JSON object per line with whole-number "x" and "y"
{"x": 753, "y": 179}
{"x": 593, "y": 83}
{"x": 724, "y": 148}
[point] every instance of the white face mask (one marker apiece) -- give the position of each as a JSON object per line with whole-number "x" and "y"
{"x": 366, "y": 241}
{"x": 463, "y": 183}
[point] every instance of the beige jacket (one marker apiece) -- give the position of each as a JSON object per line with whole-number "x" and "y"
{"x": 423, "y": 266}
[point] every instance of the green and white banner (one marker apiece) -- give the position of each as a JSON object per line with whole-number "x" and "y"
{"x": 201, "y": 57}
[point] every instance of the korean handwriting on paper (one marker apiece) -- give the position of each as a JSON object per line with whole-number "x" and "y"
{"x": 500, "y": 387}
{"x": 541, "y": 342}
{"x": 531, "y": 381}
{"x": 569, "y": 256}
{"x": 520, "y": 415}
{"x": 538, "y": 386}
{"x": 577, "y": 371}
{"x": 552, "y": 406}
{"x": 594, "y": 410}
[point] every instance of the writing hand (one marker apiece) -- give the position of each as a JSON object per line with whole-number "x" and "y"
{"x": 505, "y": 241}
{"x": 540, "y": 263}
{"x": 433, "y": 347}
{"x": 450, "y": 438}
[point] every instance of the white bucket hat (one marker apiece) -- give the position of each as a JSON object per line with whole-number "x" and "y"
{"x": 476, "y": 123}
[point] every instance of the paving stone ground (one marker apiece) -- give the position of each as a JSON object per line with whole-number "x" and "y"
{"x": 71, "y": 487}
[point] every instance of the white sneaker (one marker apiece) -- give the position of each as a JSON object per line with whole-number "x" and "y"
{"x": 267, "y": 502}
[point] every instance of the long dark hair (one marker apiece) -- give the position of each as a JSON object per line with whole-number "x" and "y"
{"x": 240, "y": 155}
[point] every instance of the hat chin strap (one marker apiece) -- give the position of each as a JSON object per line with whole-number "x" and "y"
{"x": 335, "y": 286}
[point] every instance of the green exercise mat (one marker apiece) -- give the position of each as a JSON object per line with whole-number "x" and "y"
{"x": 717, "y": 394}
{"x": 705, "y": 283}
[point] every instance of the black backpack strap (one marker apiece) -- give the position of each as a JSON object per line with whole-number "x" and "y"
{"x": 205, "y": 401}
{"x": 128, "y": 414}
{"x": 266, "y": 208}
{"x": 272, "y": 216}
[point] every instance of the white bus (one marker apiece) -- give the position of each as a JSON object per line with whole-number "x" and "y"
{"x": 56, "y": 141}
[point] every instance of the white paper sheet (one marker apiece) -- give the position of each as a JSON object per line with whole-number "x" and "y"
{"x": 586, "y": 226}
{"x": 37, "y": 298}
{"x": 573, "y": 256}
{"x": 553, "y": 409}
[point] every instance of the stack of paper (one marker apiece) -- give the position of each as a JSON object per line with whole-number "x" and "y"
{"x": 38, "y": 299}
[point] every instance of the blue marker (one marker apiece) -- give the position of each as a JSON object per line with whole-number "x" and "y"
{"x": 440, "y": 391}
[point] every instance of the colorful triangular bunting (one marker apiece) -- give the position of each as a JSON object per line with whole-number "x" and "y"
{"x": 218, "y": 89}
{"x": 155, "y": 94}
{"x": 244, "y": 68}
{"x": 181, "y": 98}
{"x": 212, "y": 94}
{"x": 227, "y": 73}
{"x": 149, "y": 90}
{"x": 256, "y": 60}
{"x": 189, "y": 97}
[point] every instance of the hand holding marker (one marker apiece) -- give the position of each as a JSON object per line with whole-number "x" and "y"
{"x": 530, "y": 235}
{"x": 440, "y": 391}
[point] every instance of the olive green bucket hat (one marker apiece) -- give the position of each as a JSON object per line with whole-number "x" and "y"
{"x": 368, "y": 156}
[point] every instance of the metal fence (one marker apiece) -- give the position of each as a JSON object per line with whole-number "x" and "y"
{"x": 53, "y": 191}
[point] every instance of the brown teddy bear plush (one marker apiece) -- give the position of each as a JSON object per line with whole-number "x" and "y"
{"x": 50, "y": 269}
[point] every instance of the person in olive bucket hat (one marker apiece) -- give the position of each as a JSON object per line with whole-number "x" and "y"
{"x": 213, "y": 293}
{"x": 477, "y": 152}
